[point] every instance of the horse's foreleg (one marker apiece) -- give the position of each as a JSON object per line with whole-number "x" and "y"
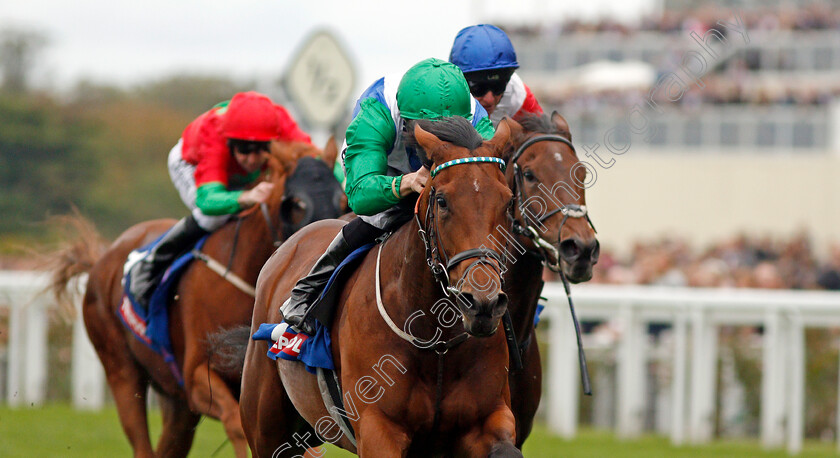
{"x": 525, "y": 392}
{"x": 178, "y": 427}
{"x": 494, "y": 438}
{"x": 209, "y": 395}
{"x": 377, "y": 436}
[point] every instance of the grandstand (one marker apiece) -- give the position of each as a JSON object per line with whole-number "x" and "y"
{"x": 752, "y": 76}
{"x": 739, "y": 105}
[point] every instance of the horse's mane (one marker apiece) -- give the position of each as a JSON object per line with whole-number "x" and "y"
{"x": 453, "y": 129}
{"x": 543, "y": 124}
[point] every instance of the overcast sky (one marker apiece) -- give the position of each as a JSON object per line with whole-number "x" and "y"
{"x": 124, "y": 42}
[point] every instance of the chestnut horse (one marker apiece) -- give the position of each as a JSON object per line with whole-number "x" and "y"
{"x": 407, "y": 394}
{"x": 552, "y": 227}
{"x": 204, "y": 302}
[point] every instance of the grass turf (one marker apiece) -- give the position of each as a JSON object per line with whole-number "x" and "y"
{"x": 58, "y": 430}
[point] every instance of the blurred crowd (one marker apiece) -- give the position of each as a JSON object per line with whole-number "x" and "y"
{"x": 747, "y": 77}
{"x": 815, "y": 15}
{"x": 719, "y": 89}
{"x": 741, "y": 262}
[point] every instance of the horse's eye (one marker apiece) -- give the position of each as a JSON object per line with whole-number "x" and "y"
{"x": 529, "y": 175}
{"x": 441, "y": 202}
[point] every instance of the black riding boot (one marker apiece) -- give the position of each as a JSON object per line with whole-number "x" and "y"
{"x": 145, "y": 273}
{"x": 306, "y": 291}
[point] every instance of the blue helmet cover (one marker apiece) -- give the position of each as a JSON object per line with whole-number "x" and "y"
{"x": 482, "y": 47}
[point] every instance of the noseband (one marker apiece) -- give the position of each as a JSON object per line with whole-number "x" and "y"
{"x": 568, "y": 210}
{"x": 436, "y": 258}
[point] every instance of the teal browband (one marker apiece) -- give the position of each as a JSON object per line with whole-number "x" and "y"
{"x": 468, "y": 160}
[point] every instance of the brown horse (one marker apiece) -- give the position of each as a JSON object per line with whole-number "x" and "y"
{"x": 552, "y": 228}
{"x": 204, "y": 302}
{"x": 402, "y": 400}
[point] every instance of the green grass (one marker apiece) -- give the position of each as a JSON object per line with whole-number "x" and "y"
{"x": 592, "y": 443}
{"x": 58, "y": 430}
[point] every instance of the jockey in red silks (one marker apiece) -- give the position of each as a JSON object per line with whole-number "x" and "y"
{"x": 219, "y": 154}
{"x": 486, "y": 56}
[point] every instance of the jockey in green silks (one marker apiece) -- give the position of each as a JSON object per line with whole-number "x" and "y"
{"x": 383, "y": 174}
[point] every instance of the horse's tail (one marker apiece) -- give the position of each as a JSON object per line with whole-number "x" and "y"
{"x": 72, "y": 260}
{"x": 226, "y": 350}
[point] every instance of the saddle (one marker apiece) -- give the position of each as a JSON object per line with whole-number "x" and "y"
{"x": 151, "y": 326}
{"x": 313, "y": 351}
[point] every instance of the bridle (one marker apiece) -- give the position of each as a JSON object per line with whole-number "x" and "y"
{"x": 438, "y": 261}
{"x": 568, "y": 210}
{"x": 528, "y": 230}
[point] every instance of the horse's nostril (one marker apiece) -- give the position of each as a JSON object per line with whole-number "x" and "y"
{"x": 570, "y": 249}
{"x": 596, "y": 252}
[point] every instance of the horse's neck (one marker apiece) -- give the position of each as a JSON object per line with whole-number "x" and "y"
{"x": 524, "y": 280}
{"x": 406, "y": 255}
{"x": 404, "y": 266}
{"x": 244, "y": 248}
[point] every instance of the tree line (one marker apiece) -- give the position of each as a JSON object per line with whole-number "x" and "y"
{"x": 99, "y": 148}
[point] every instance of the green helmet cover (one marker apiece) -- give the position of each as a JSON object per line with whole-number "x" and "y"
{"x": 434, "y": 88}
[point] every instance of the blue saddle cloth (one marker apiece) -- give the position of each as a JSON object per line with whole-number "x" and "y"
{"x": 539, "y": 310}
{"x": 151, "y": 326}
{"x": 312, "y": 351}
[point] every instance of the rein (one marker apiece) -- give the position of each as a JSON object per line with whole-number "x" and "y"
{"x": 272, "y": 229}
{"x": 225, "y": 271}
{"x": 528, "y": 230}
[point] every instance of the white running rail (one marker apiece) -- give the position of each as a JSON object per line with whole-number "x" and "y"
{"x": 27, "y": 372}
{"x": 694, "y": 314}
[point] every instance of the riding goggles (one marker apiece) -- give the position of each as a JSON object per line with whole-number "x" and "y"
{"x": 495, "y": 81}
{"x": 250, "y": 147}
{"x": 479, "y": 88}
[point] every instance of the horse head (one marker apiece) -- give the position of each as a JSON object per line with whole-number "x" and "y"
{"x": 549, "y": 182}
{"x": 309, "y": 191}
{"x": 464, "y": 203}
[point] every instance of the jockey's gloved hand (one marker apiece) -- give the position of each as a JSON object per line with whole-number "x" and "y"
{"x": 414, "y": 182}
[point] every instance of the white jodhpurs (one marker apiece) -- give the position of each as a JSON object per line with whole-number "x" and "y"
{"x": 183, "y": 177}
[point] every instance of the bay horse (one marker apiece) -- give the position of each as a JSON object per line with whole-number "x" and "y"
{"x": 552, "y": 228}
{"x": 402, "y": 399}
{"x": 204, "y": 302}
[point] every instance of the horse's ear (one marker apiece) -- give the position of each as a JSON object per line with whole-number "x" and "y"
{"x": 517, "y": 132}
{"x": 330, "y": 152}
{"x": 275, "y": 168}
{"x": 428, "y": 142}
{"x": 561, "y": 124}
{"x": 498, "y": 144}
{"x": 284, "y": 154}
{"x": 516, "y": 129}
